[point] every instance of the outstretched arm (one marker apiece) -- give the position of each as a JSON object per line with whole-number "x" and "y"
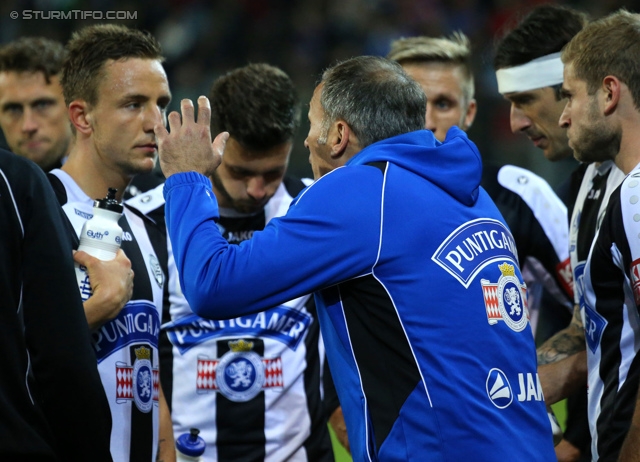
{"x": 320, "y": 236}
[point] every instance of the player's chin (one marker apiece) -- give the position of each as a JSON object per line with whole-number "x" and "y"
{"x": 250, "y": 208}
{"x": 144, "y": 165}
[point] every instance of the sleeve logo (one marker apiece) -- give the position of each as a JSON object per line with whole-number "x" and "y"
{"x": 594, "y": 325}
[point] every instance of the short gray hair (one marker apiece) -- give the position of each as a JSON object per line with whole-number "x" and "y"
{"x": 374, "y": 96}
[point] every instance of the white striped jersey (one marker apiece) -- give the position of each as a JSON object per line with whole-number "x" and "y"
{"x": 598, "y": 183}
{"x": 127, "y": 346}
{"x": 609, "y": 308}
{"x": 251, "y": 385}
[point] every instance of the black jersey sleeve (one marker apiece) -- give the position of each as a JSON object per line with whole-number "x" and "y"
{"x": 64, "y": 378}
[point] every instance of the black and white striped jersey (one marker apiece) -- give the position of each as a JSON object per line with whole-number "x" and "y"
{"x": 598, "y": 184}
{"x": 127, "y": 346}
{"x": 251, "y": 385}
{"x": 612, "y": 323}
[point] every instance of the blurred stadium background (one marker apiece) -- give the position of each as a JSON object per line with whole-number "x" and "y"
{"x": 205, "y": 38}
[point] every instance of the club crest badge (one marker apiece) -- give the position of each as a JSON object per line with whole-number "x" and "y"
{"x": 143, "y": 380}
{"x": 506, "y": 300}
{"x": 240, "y": 374}
{"x": 138, "y": 382}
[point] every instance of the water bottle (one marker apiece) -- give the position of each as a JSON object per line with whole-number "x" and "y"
{"x": 100, "y": 237}
{"x": 190, "y": 447}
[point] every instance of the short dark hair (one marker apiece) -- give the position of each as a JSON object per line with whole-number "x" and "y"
{"x": 545, "y": 30}
{"x": 91, "y": 47}
{"x": 374, "y": 96}
{"x": 257, "y": 104}
{"x": 33, "y": 54}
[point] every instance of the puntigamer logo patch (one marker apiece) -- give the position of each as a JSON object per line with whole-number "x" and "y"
{"x": 474, "y": 245}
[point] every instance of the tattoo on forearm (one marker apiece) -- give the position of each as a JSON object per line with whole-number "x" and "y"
{"x": 559, "y": 347}
{"x": 159, "y": 455}
{"x": 565, "y": 343}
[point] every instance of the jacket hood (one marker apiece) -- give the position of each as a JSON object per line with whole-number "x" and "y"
{"x": 454, "y": 165}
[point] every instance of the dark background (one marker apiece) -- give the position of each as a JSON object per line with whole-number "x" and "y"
{"x": 204, "y": 39}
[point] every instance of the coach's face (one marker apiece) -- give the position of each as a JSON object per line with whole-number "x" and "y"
{"x": 592, "y": 136}
{"x": 317, "y": 139}
{"x": 132, "y": 98}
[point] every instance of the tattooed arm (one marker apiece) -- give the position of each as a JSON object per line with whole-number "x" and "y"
{"x": 562, "y": 361}
{"x": 563, "y": 377}
{"x": 564, "y": 343}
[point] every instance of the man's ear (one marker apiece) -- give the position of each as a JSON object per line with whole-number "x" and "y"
{"x": 340, "y": 140}
{"x": 611, "y": 87}
{"x": 80, "y": 116}
{"x": 470, "y": 116}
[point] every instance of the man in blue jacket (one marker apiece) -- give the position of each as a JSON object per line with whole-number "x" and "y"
{"x": 424, "y": 314}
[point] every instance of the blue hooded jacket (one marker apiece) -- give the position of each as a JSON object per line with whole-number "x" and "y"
{"x": 421, "y": 303}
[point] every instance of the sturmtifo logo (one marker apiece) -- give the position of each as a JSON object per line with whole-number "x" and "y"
{"x": 506, "y": 300}
{"x": 499, "y": 389}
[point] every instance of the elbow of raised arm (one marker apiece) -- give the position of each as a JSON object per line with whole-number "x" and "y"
{"x": 205, "y": 302}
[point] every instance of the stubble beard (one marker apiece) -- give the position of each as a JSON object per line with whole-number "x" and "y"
{"x": 237, "y": 205}
{"x": 598, "y": 141}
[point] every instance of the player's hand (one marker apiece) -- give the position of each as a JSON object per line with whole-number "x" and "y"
{"x": 112, "y": 285}
{"x": 188, "y": 146}
{"x": 567, "y": 452}
{"x": 340, "y": 428}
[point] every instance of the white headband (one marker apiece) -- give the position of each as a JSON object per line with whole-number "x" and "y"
{"x": 538, "y": 73}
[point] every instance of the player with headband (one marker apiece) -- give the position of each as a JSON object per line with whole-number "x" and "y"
{"x": 529, "y": 72}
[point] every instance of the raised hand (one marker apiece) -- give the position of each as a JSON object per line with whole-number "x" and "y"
{"x": 188, "y": 147}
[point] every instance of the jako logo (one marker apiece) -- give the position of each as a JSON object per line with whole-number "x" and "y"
{"x": 126, "y": 236}
{"x": 501, "y": 394}
{"x": 499, "y": 389}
